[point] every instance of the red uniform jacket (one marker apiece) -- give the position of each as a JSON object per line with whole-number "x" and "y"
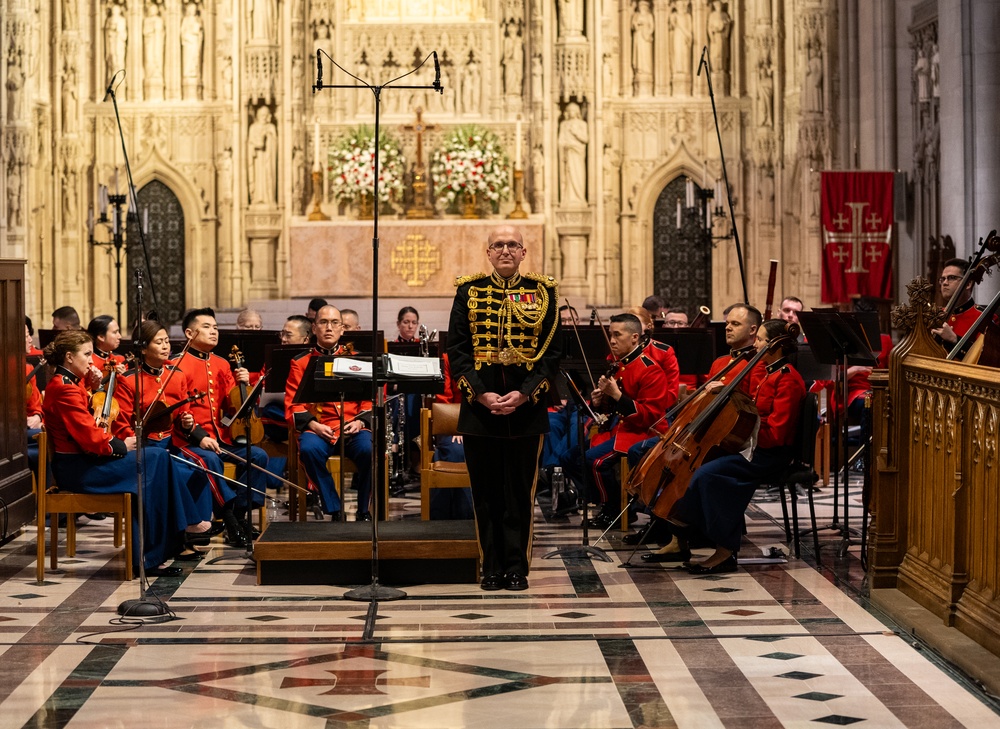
{"x": 664, "y": 356}
{"x": 34, "y": 402}
{"x": 643, "y": 401}
{"x": 209, "y": 373}
{"x": 963, "y": 317}
{"x": 720, "y": 364}
{"x": 154, "y": 387}
{"x": 100, "y": 359}
{"x": 327, "y": 413}
{"x": 777, "y": 390}
{"x": 451, "y": 393}
{"x": 70, "y": 423}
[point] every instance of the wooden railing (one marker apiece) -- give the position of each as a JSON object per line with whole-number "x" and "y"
{"x": 935, "y": 531}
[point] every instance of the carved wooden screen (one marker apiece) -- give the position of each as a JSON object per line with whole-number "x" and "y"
{"x": 165, "y": 248}
{"x": 682, "y": 260}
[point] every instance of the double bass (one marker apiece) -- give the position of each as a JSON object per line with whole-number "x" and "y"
{"x": 707, "y": 426}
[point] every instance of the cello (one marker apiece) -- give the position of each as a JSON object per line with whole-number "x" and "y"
{"x": 708, "y": 426}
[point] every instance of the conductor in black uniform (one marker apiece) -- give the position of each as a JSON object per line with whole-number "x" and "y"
{"x": 504, "y": 351}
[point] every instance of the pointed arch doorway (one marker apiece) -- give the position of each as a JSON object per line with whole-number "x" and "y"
{"x": 165, "y": 247}
{"x": 682, "y": 259}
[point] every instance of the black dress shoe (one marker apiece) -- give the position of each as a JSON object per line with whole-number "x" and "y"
{"x": 602, "y": 521}
{"x": 363, "y": 517}
{"x": 192, "y": 556}
{"x": 637, "y": 537}
{"x": 516, "y": 582}
{"x": 335, "y": 516}
{"x": 163, "y": 571}
{"x": 726, "y": 565}
{"x": 682, "y": 555}
{"x": 492, "y": 583}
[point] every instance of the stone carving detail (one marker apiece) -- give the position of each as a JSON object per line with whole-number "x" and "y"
{"x": 572, "y": 144}
{"x": 681, "y": 37}
{"x": 263, "y": 20}
{"x": 14, "y": 218}
{"x": 570, "y": 18}
{"x": 720, "y": 26}
{"x": 115, "y": 40}
{"x": 513, "y": 61}
{"x": 765, "y": 91}
{"x": 643, "y": 25}
{"x": 262, "y": 158}
{"x": 153, "y": 31}
{"x": 192, "y": 45}
{"x": 15, "y": 87}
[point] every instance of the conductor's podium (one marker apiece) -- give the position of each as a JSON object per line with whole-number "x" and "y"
{"x": 340, "y": 553}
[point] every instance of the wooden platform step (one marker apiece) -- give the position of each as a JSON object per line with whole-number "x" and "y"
{"x": 325, "y": 553}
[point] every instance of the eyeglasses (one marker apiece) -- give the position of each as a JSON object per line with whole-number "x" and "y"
{"x": 332, "y": 323}
{"x": 944, "y": 279}
{"x": 512, "y": 246}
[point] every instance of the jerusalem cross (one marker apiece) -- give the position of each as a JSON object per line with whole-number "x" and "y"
{"x": 857, "y": 244}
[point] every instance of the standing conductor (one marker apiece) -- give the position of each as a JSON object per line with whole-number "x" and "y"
{"x": 504, "y": 351}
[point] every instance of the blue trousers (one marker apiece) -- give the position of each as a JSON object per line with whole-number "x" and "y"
{"x": 720, "y": 491}
{"x": 602, "y": 474}
{"x": 166, "y": 504}
{"x": 314, "y": 451}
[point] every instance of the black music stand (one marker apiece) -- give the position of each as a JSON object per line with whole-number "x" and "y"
{"x": 838, "y": 339}
{"x": 245, "y": 413}
{"x": 584, "y": 551}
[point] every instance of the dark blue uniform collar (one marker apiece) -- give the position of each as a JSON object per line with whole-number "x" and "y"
{"x": 505, "y": 283}
{"x": 198, "y": 354}
{"x": 328, "y": 352}
{"x": 66, "y": 374}
{"x": 154, "y": 371}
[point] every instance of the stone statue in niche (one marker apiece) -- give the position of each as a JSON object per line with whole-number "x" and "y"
{"x": 69, "y": 199}
{"x": 262, "y": 20}
{"x": 765, "y": 92}
{"x": 262, "y": 158}
{"x": 538, "y": 175}
{"x": 572, "y": 143}
{"x": 298, "y": 79}
{"x": 570, "y": 18}
{"x": 537, "y": 88}
{"x": 642, "y": 49}
{"x": 14, "y": 195}
{"x": 922, "y": 71}
{"x": 681, "y": 24}
{"x": 69, "y": 14}
{"x": 192, "y": 44}
{"x": 70, "y": 108}
{"x": 719, "y": 28}
{"x": 227, "y": 78}
{"x": 935, "y": 71}
{"x": 513, "y": 62}
{"x": 813, "y": 100}
{"x": 298, "y": 179}
{"x": 115, "y": 40}
{"x": 765, "y": 195}
{"x": 152, "y": 51}
{"x": 472, "y": 86}
{"x": 225, "y": 166}
{"x": 15, "y": 88}
{"x": 322, "y": 31}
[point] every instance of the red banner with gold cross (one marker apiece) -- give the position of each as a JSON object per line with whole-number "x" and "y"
{"x": 856, "y": 215}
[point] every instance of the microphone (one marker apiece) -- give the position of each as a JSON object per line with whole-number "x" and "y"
{"x": 437, "y": 74}
{"x": 111, "y": 87}
{"x": 319, "y": 71}
{"x": 704, "y": 60}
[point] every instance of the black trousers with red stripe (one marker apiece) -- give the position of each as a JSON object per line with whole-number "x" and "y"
{"x": 503, "y": 473}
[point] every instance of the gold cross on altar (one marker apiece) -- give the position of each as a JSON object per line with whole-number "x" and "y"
{"x": 856, "y": 243}
{"x": 419, "y": 127}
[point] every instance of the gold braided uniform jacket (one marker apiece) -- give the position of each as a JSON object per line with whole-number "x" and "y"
{"x": 503, "y": 336}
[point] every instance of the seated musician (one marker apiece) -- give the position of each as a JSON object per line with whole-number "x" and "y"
{"x": 65, "y": 317}
{"x": 296, "y": 330}
{"x": 162, "y": 382}
{"x": 675, "y": 319}
{"x": 636, "y": 396}
{"x": 249, "y": 320}
{"x": 86, "y": 459}
{"x": 33, "y": 405}
{"x": 29, "y": 339}
{"x": 207, "y": 372}
{"x": 720, "y": 490}
{"x": 314, "y": 306}
{"x": 965, "y": 313}
{"x": 791, "y": 306}
{"x": 107, "y": 336}
{"x": 351, "y": 321}
{"x": 742, "y": 323}
{"x": 407, "y": 408}
{"x": 320, "y": 423}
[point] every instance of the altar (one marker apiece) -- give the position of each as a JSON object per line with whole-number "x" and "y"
{"x": 417, "y": 258}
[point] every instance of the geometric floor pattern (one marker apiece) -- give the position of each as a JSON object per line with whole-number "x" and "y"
{"x": 590, "y": 644}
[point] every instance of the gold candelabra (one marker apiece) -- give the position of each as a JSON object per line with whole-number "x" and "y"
{"x": 518, "y": 213}
{"x": 317, "y": 212}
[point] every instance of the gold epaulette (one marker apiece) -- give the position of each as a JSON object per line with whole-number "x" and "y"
{"x": 540, "y": 278}
{"x": 471, "y": 277}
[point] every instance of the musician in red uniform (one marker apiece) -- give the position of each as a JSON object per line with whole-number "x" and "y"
{"x": 107, "y": 336}
{"x": 320, "y": 423}
{"x": 719, "y": 491}
{"x": 86, "y": 459}
{"x": 207, "y": 372}
{"x": 636, "y": 395}
{"x": 34, "y": 418}
{"x": 164, "y": 383}
{"x": 965, "y": 313}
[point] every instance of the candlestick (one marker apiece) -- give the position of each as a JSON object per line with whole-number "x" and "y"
{"x": 517, "y": 143}
{"x": 518, "y": 213}
{"x": 317, "y": 212}
{"x": 678, "y": 213}
{"x": 316, "y": 164}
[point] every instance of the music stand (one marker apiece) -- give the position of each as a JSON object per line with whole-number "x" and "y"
{"x": 245, "y": 413}
{"x": 838, "y": 339}
{"x": 584, "y": 550}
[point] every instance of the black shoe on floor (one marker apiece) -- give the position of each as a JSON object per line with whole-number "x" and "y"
{"x": 602, "y": 521}
{"x": 516, "y": 582}
{"x": 682, "y": 555}
{"x": 492, "y": 583}
{"x": 163, "y": 571}
{"x": 727, "y": 565}
{"x": 363, "y": 517}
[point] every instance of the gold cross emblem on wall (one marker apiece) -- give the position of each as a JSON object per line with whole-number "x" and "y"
{"x": 415, "y": 259}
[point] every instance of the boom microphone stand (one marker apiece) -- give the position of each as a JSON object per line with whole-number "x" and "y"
{"x": 375, "y": 592}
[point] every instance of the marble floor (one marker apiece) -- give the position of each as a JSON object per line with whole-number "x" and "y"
{"x": 590, "y": 644}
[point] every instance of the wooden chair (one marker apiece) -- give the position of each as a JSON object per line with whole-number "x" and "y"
{"x": 53, "y": 503}
{"x": 441, "y": 419}
{"x": 623, "y": 465}
{"x": 801, "y": 472}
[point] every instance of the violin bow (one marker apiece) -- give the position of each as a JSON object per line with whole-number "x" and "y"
{"x": 576, "y": 331}
{"x": 166, "y": 382}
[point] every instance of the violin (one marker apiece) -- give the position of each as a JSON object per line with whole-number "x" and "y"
{"x": 708, "y": 426}
{"x": 240, "y": 429}
{"x": 102, "y": 403}
{"x": 158, "y": 416}
{"x": 31, "y": 375}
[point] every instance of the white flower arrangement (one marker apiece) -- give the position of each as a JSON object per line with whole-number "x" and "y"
{"x": 471, "y": 161}
{"x": 351, "y": 166}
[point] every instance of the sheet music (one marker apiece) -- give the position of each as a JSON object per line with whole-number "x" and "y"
{"x": 405, "y": 366}
{"x": 347, "y": 367}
